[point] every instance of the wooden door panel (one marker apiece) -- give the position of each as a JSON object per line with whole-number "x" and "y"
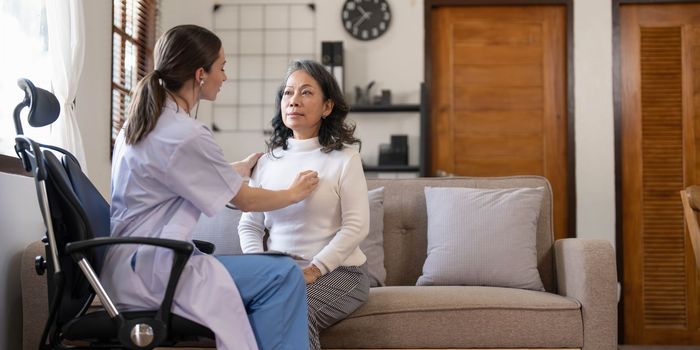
{"x": 522, "y": 75}
{"x": 497, "y": 98}
{"x": 499, "y": 95}
{"x": 499, "y": 166}
{"x": 491, "y": 33}
{"x": 526, "y": 146}
{"x": 491, "y": 122}
{"x": 658, "y": 148}
{"x": 495, "y": 55}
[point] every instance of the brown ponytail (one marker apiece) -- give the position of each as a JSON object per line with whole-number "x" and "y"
{"x": 145, "y": 108}
{"x": 178, "y": 53}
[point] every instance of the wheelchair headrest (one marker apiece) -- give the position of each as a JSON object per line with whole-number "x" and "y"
{"x": 43, "y": 105}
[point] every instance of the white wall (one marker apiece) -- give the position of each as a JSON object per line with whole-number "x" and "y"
{"x": 93, "y": 101}
{"x": 594, "y": 120}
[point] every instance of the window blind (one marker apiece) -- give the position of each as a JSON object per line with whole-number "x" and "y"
{"x": 133, "y": 38}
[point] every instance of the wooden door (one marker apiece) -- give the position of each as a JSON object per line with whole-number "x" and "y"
{"x": 660, "y": 97}
{"x": 499, "y": 96}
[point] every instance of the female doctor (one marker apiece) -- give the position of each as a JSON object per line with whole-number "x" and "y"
{"x": 166, "y": 170}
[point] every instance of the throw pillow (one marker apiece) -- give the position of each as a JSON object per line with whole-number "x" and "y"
{"x": 220, "y": 229}
{"x": 482, "y": 237}
{"x": 373, "y": 245}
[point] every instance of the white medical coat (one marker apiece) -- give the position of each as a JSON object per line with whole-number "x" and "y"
{"x": 160, "y": 186}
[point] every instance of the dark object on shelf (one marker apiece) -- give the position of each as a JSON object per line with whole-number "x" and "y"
{"x": 395, "y": 153}
{"x": 381, "y": 108}
{"x": 332, "y": 59}
{"x": 362, "y": 97}
{"x": 386, "y": 97}
{"x": 392, "y": 169}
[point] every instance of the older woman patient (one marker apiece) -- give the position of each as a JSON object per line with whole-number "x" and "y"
{"x": 327, "y": 227}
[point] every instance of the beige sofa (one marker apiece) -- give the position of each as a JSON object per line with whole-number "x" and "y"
{"x": 578, "y": 309}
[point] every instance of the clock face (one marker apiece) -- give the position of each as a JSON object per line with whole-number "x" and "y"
{"x": 366, "y": 19}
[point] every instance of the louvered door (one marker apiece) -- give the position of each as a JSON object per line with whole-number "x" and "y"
{"x": 499, "y": 96}
{"x": 660, "y": 94}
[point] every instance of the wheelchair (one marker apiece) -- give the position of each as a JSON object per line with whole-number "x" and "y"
{"x": 77, "y": 221}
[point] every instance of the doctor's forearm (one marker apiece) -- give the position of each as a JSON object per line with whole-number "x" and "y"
{"x": 259, "y": 199}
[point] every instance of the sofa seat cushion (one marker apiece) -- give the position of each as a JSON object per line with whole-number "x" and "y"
{"x": 459, "y": 317}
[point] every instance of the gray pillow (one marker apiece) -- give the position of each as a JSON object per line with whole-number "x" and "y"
{"x": 220, "y": 229}
{"x": 482, "y": 237}
{"x": 373, "y": 245}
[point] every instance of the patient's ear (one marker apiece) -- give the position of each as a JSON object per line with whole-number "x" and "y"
{"x": 328, "y": 107}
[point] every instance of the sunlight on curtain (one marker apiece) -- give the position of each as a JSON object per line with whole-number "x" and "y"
{"x": 25, "y": 55}
{"x": 66, "y": 26}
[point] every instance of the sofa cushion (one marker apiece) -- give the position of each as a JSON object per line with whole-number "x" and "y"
{"x": 459, "y": 317}
{"x": 482, "y": 237}
{"x": 373, "y": 245}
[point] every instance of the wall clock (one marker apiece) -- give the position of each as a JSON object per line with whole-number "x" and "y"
{"x": 366, "y": 19}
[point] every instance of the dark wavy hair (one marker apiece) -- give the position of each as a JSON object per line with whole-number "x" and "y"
{"x": 335, "y": 133}
{"x": 178, "y": 53}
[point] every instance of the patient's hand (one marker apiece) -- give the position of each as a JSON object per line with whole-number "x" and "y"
{"x": 305, "y": 183}
{"x": 245, "y": 167}
{"x": 311, "y": 273}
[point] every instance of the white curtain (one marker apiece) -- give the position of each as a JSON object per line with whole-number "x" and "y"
{"x": 66, "y": 29}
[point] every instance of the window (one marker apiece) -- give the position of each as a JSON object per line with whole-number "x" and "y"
{"x": 133, "y": 37}
{"x": 27, "y": 43}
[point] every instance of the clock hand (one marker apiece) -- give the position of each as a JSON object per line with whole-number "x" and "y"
{"x": 362, "y": 19}
{"x": 361, "y": 10}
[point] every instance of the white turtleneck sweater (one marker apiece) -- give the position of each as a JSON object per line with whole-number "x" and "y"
{"x": 326, "y": 227}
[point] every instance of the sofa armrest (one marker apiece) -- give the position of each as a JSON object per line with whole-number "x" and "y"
{"x": 35, "y": 302}
{"x": 586, "y": 271}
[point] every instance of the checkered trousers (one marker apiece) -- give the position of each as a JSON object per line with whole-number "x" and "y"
{"x": 333, "y": 297}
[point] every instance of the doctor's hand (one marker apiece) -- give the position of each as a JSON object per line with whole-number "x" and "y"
{"x": 245, "y": 167}
{"x": 305, "y": 183}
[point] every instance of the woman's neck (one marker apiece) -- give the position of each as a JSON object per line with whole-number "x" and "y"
{"x": 305, "y": 134}
{"x": 186, "y": 97}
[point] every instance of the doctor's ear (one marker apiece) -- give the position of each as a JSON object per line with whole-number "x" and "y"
{"x": 200, "y": 75}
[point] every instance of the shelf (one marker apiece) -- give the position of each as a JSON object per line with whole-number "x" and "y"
{"x": 385, "y": 108}
{"x": 391, "y": 168}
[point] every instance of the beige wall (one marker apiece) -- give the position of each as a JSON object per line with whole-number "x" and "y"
{"x": 595, "y": 156}
{"x": 94, "y": 93}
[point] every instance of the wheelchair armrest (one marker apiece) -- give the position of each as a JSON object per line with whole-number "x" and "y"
{"x": 204, "y": 246}
{"x": 183, "y": 250}
{"x": 178, "y": 246}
